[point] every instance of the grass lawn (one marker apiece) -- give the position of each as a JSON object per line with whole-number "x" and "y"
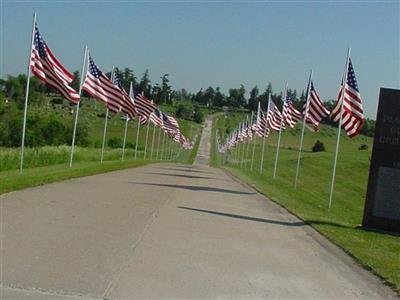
{"x": 341, "y": 224}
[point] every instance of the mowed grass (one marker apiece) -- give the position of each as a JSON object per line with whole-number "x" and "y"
{"x": 51, "y": 163}
{"x": 92, "y": 114}
{"x": 12, "y": 180}
{"x": 341, "y": 224}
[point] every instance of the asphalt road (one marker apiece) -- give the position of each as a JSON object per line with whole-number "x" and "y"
{"x": 167, "y": 231}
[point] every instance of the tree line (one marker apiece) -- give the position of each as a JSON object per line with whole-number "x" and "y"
{"x": 12, "y": 88}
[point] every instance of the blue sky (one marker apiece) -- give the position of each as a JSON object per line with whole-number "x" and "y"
{"x": 218, "y": 43}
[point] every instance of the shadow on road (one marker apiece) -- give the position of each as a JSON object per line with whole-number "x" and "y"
{"x": 181, "y": 175}
{"x": 196, "y": 188}
{"x": 248, "y": 218}
{"x": 186, "y": 170}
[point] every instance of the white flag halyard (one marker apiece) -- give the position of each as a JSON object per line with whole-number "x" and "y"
{"x": 348, "y": 112}
{"x": 44, "y": 65}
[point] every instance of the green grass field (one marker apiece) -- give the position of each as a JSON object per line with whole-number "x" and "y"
{"x": 341, "y": 224}
{"x": 51, "y": 163}
{"x": 92, "y": 114}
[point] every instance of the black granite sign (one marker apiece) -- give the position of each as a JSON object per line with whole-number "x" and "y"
{"x": 382, "y": 205}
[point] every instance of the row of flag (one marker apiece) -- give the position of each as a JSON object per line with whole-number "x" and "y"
{"x": 347, "y": 112}
{"x": 45, "y": 66}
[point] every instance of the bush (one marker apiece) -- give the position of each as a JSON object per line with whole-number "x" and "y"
{"x": 198, "y": 115}
{"x": 363, "y": 147}
{"x": 318, "y": 147}
{"x": 115, "y": 142}
{"x": 183, "y": 111}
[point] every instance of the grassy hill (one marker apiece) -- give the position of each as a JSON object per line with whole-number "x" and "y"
{"x": 92, "y": 116}
{"x": 51, "y": 163}
{"x": 377, "y": 251}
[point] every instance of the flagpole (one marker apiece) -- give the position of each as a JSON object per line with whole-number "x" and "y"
{"x": 158, "y": 143}
{"x": 339, "y": 128}
{"x": 163, "y": 147}
{"x": 28, "y": 80}
{"x": 302, "y": 130}
{"x": 252, "y": 155}
{"x": 280, "y": 134}
{"x": 147, "y": 135}
{"x": 105, "y": 123}
{"x": 104, "y": 136}
{"x": 78, "y": 105}
{"x": 137, "y": 137}
{"x": 248, "y": 142}
{"x": 243, "y": 150}
{"x": 152, "y": 142}
{"x": 264, "y": 138}
{"x": 125, "y": 133}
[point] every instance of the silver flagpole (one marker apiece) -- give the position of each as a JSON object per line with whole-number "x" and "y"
{"x": 28, "y": 80}
{"x": 163, "y": 147}
{"x": 254, "y": 149}
{"x": 152, "y": 142}
{"x": 105, "y": 123}
{"x": 302, "y": 130}
{"x": 243, "y": 150}
{"x": 255, "y": 138}
{"x": 126, "y": 130}
{"x": 137, "y": 137}
{"x": 158, "y": 143}
{"x": 83, "y": 75}
{"x": 280, "y": 133}
{"x": 248, "y": 144}
{"x": 147, "y": 136}
{"x": 104, "y": 136}
{"x": 170, "y": 149}
{"x": 339, "y": 128}
{"x": 264, "y": 138}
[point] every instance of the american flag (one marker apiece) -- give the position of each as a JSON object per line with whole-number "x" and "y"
{"x": 127, "y": 105}
{"x": 47, "y": 68}
{"x": 156, "y": 118}
{"x": 261, "y": 127}
{"x": 274, "y": 116}
{"x": 170, "y": 125}
{"x": 353, "y": 113}
{"x": 102, "y": 88}
{"x": 144, "y": 107}
{"x": 290, "y": 114}
{"x": 316, "y": 109}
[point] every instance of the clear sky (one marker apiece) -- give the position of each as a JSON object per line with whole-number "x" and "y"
{"x": 218, "y": 43}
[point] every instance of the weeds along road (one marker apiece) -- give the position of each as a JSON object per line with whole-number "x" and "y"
{"x": 167, "y": 231}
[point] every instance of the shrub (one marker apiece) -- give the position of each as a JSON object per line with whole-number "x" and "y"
{"x": 115, "y": 142}
{"x": 318, "y": 147}
{"x": 198, "y": 115}
{"x": 183, "y": 111}
{"x": 363, "y": 147}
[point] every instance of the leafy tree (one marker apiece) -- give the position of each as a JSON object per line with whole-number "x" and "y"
{"x": 219, "y": 98}
{"x": 198, "y": 115}
{"x": 144, "y": 85}
{"x": 253, "y": 100}
{"x": 76, "y": 81}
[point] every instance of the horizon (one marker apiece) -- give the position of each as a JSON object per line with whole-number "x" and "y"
{"x": 214, "y": 44}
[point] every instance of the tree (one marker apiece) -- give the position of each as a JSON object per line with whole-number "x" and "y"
{"x": 76, "y": 81}
{"x": 219, "y": 98}
{"x": 208, "y": 96}
{"x": 253, "y": 100}
{"x": 144, "y": 85}
{"x": 197, "y": 115}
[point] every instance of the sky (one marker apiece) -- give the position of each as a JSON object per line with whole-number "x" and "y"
{"x": 217, "y": 43}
